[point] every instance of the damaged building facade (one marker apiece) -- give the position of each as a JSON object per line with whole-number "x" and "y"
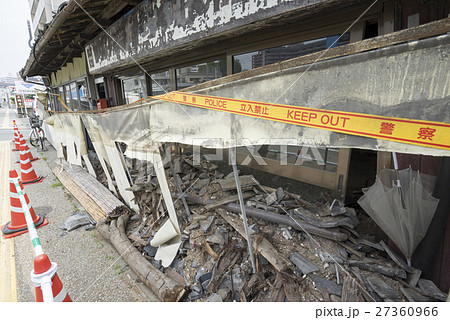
{"x": 376, "y": 58}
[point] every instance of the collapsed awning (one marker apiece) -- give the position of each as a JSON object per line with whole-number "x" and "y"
{"x": 71, "y": 28}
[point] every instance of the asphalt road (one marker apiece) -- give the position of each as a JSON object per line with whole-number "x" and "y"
{"x": 88, "y": 266}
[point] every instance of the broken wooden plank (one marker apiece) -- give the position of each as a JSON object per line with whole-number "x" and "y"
{"x": 304, "y": 265}
{"x": 175, "y": 276}
{"x": 362, "y": 284}
{"x": 377, "y": 268}
{"x": 230, "y": 184}
{"x": 276, "y": 293}
{"x": 98, "y": 201}
{"x": 383, "y": 289}
{"x": 94, "y": 210}
{"x": 229, "y": 199}
{"x": 355, "y": 252}
{"x": 253, "y": 286}
{"x": 263, "y": 246}
{"x": 332, "y": 234}
{"x": 350, "y": 290}
{"x": 227, "y": 259}
{"x": 206, "y": 247}
{"x": 326, "y": 296}
{"x": 137, "y": 240}
{"x": 291, "y": 289}
{"x": 109, "y": 203}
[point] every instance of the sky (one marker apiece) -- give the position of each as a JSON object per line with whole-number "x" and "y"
{"x": 14, "y": 49}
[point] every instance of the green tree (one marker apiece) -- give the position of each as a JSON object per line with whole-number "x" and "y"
{"x": 237, "y": 66}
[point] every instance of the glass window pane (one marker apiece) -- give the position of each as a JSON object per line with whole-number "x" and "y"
{"x": 83, "y": 95}
{"x": 134, "y": 89}
{"x": 62, "y": 99}
{"x": 160, "y": 83}
{"x": 74, "y": 97}
{"x": 256, "y": 59}
{"x": 199, "y": 73}
{"x": 68, "y": 96}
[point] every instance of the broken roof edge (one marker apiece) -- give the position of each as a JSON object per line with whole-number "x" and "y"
{"x": 436, "y": 36}
{"x": 41, "y": 42}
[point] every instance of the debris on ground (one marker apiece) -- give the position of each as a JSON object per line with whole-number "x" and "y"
{"x": 78, "y": 219}
{"x": 303, "y": 251}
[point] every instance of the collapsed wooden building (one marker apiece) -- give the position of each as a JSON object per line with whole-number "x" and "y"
{"x": 167, "y": 159}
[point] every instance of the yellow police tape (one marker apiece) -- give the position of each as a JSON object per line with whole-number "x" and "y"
{"x": 418, "y": 132}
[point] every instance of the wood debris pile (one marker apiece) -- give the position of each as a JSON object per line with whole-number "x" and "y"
{"x": 303, "y": 251}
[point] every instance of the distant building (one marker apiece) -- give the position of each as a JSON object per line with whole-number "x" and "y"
{"x": 5, "y": 82}
{"x": 42, "y": 12}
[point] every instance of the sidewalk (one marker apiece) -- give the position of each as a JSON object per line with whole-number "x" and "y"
{"x": 87, "y": 265}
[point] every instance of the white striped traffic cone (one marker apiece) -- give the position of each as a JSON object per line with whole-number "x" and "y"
{"x": 28, "y": 153}
{"x": 16, "y": 140}
{"x": 43, "y": 267}
{"x": 27, "y": 173}
{"x": 18, "y": 224}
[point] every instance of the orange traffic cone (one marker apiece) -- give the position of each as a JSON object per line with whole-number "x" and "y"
{"x": 30, "y": 156}
{"x": 16, "y": 140}
{"x": 27, "y": 173}
{"x": 18, "y": 224}
{"x": 21, "y": 140}
{"x": 44, "y": 269}
{"x": 28, "y": 153}
{"x": 16, "y": 129}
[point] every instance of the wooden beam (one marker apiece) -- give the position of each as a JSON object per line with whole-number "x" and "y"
{"x": 263, "y": 246}
{"x": 107, "y": 13}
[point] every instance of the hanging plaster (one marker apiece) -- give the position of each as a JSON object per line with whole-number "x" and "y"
{"x": 168, "y": 237}
{"x": 55, "y": 123}
{"x": 96, "y": 138}
{"x": 121, "y": 177}
{"x": 108, "y": 176}
{"x": 89, "y": 166}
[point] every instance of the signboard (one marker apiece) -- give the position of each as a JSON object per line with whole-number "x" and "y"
{"x": 19, "y": 101}
{"x": 28, "y": 88}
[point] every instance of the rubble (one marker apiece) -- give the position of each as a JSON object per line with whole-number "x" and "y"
{"x": 303, "y": 251}
{"x": 78, "y": 219}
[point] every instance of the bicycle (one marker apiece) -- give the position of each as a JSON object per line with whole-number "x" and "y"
{"x": 37, "y": 135}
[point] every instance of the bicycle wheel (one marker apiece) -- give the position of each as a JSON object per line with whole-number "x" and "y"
{"x": 42, "y": 138}
{"x": 34, "y": 138}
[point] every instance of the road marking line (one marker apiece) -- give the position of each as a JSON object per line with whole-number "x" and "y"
{"x": 8, "y": 284}
{"x": 6, "y": 124}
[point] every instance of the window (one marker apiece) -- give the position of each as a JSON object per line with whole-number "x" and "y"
{"x": 68, "y": 96}
{"x": 256, "y": 59}
{"x": 61, "y": 99}
{"x": 160, "y": 83}
{"x": 74, "y": 103}
{"x": 199, "y": 73}
{"x": 134, "y": 89}
{"x": 83, "y": 94}
{"x": 371, "y": 29}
